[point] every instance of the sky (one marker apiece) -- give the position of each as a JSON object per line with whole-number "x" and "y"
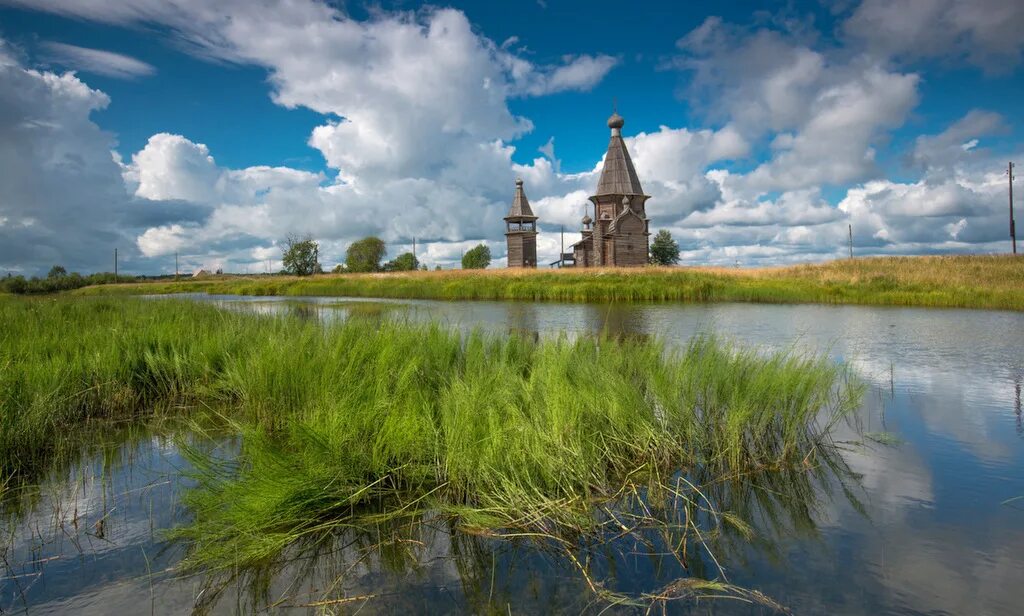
{"x": 213, "y": 130}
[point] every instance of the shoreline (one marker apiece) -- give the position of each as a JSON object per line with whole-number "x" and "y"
{"x": 980, "y": 282}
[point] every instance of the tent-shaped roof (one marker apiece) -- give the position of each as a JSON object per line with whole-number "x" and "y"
{"x": 520, "y": 205}
{"x": 618, "y": 176}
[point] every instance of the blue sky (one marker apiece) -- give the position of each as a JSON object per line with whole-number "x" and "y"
{"x": 760, "y": 134}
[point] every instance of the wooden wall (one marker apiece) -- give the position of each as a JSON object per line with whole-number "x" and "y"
{"x": 522, "y": 249}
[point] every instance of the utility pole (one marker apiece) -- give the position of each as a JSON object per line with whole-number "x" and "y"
{"x": 850, "y": 229}
{"x": 561, "y": 251}
{"x": 1013, "y": 230}
{"x": 115, "y": 265}
{"x": 414, "y": 260}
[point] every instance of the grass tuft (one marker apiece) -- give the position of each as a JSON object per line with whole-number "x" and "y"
{"x": 357, "y": 424}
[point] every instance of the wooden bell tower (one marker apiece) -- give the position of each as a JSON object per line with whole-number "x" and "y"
{"x": 521, "y": 231}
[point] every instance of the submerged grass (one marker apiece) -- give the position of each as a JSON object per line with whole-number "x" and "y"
{"x": 975, "y": 281}
{"x": 367, "y": 421}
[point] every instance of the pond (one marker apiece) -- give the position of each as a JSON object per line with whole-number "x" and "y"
{"x": 931, "y": 522}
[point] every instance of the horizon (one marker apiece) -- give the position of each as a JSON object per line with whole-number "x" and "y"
{"x": 163, "y": 128}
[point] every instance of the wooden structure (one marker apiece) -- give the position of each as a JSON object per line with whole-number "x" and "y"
{"x": 565, "y": 259}
{"x": 521, "y": 231}
{"x": 618, "y": 235}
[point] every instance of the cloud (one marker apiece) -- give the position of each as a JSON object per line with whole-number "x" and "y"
{"x": 958, "y": 142}
{"x": 420, "y": 137}
{"x": 172, "y": 167}
{"x": 823, "y": 114}
{"x": 61, "y": 195}
{"x": 157, "y": 241}
{"x": 419, "y": 131}
{"x": 985, "y": 33}
{"x": 576, "y": 73}
{"x": 107, "y": 63}
{"x": 834, "y": 144}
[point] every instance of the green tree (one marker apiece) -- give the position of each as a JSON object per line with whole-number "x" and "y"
{"x": 301, "y": 256}
{"x": 365, "y": 255}
{"x": 57, "y": 271}
{"x": 405, "y": 262}
{"x": 478, "y": 257}
{"x": 664, "y": 249}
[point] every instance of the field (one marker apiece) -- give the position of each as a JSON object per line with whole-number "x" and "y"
{"x": 995, "y": 282}
{"x": 350, "y": 427}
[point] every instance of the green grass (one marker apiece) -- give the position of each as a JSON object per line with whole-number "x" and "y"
{"x": 348, "y": 426}
{"x": 960, "y": 281}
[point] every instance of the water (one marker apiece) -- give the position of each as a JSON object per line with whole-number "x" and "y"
{"x": 932, "y": 529}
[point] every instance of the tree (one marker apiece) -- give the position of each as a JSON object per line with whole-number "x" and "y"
{"x": 405, "y": 262}
{"x": 664, "y": 249}
{"x": 478, "y": 257}
{"x": 15, "y": 284}
{"x": 57, "y": 271}
{"x": 301, "y": 256}
{"x": 365, "y": 255}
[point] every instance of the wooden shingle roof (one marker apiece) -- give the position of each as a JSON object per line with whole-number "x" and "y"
{"x": 618, "y": 177}
{"x": 520, "y": 204}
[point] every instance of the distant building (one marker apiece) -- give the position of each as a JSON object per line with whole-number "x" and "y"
{"x": 521, "y": 231}
{"x": 619, "y": 235}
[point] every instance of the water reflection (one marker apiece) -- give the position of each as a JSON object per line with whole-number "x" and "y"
{"x": 1016, "y": 404}
{"x": 916, "y": 527}
{"x": 522, "y": 320}
{"x": 92, "y": 543}
{"x": 618, "y": 321}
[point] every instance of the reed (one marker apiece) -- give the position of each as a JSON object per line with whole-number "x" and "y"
{"x": 370, "y": 420}
{"x": 986, "y": 281}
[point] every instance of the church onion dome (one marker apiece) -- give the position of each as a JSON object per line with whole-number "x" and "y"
{"x": 587, "y": 220}
{"x": 616, "y": 121}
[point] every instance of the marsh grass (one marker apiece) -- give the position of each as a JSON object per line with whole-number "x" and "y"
{"x": 371, "y": 421}
{"x": 968, "y": 281}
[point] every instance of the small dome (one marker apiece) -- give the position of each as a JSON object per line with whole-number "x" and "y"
{"x": 587, "y": 219}
{"x": 519, "y": 181}
{"x": 616, "y": 121}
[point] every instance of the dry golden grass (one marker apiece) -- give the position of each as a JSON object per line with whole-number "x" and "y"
{"x": 975, "y": 281}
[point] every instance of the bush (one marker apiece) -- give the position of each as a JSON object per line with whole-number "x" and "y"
{"x": 478, "y": 257}
{"x": 664, "y": 249}
{"x": 405, "y": 262}
{"x": 54, "y": 283}
{"x": 365, "y": 255}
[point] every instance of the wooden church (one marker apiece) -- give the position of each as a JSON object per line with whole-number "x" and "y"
{"x": 617, "y": 236}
